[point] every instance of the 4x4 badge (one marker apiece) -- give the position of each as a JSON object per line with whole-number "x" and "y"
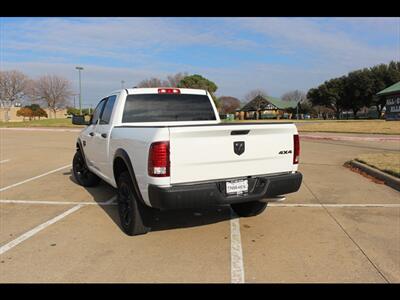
{"x": 238, "y": 147}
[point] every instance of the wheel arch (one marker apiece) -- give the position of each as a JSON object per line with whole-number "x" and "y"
{"x": 121, "y": 163}
{"x": 79, "y": 147}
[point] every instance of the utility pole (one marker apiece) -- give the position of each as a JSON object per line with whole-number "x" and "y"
{"x": 80, "y": 90}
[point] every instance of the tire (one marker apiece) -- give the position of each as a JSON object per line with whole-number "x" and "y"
{"x": 132, "y": 212}
{"x": 81, "y": 172}
{"x": 249, "y": 209}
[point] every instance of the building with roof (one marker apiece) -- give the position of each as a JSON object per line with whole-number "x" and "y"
{"x": 266, "y": 107}
{"x": 392, "y": 96}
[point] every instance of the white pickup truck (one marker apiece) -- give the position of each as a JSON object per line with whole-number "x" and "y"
{"x": 166, "y": 148}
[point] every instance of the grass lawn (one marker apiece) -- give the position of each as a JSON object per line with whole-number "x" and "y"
{"x": 42, "y": 123}
{"x": 364, "y": 126}
{"x": 345, "y": 126}
{"x": 386, "y": 162}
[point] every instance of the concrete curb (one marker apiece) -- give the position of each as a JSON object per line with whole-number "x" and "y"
{"x": 389, "y": 180}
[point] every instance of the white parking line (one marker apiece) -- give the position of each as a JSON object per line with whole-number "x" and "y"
{"x": 37, "y": 229}
{"x": 237, "y": 269}
{"x": 331, "y": 205}
{"x": 40, "y": 227}
{"x": 4, "y": 161}
{"x": 33, "y": 178}
{"x": 44, "y": 202}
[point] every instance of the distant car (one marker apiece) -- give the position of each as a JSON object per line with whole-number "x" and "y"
{"x": 166, "y": 148}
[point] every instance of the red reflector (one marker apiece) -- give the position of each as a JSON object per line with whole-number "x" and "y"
{"x": 169, "y": 91}
{"x": 158, "y": 163}
{"x": 296, "y": 150}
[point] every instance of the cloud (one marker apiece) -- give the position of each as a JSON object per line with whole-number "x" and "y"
{"x": 239, "y": 54}
{"x": 133, "y": 39}
{"x": 324, "y": 39}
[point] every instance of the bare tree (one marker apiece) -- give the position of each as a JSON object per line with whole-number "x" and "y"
{"x": 151, "y": 82}
{"x": 228, "y": 104}
{"x": 13, "y": 87}
{"x": 254, "y": 93}
{"x": 323, "y": 112}
{"x": 256, "y": 97}
{"x": 173, "y": 80}
{"x": 296, "y": 96}
{"x": 53, "y": 90}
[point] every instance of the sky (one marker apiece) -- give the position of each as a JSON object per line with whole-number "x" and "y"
{"x": 239, "y": 54}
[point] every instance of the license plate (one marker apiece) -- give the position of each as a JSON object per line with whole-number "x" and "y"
{"x": 237, "y": 186}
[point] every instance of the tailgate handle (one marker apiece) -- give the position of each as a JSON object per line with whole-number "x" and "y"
{"x": 239, "y": 132}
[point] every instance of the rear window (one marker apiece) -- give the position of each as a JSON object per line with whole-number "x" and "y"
{"x": 167, "y": 107}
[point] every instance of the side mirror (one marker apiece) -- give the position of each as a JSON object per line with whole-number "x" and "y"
{"x": 79, "y": 120}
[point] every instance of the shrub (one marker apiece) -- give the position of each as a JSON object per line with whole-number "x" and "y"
{"x": 25, "y": 112}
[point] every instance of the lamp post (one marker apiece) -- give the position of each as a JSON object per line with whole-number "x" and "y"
{"x": 74, "y": 95}
{"x": 80, "y": 90}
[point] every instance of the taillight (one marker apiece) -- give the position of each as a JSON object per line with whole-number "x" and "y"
{"x": 169, "y": 91}
{"x": 296, "y": 150}
{"x": 158, "y": 164}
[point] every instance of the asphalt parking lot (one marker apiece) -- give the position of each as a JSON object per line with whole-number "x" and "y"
{"x": 340, "y": 226}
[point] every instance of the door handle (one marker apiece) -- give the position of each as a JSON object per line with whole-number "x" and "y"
{"x": 91, "y": 134}
{"x": 104, "y": 135}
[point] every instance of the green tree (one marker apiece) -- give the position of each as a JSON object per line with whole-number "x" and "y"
{"x": 199, "y": 82}
{"x": 383, "y": 76}
{"x": 330, "y": 94}
{"x": 73, "y": 111}
{"x": 357, "y": 90}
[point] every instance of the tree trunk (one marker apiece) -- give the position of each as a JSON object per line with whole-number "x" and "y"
{"x": 355, "y": 110}
{"x": 379, "y": 109}
{"x": 6, "y": 119}
{"x": 337, "y": 112}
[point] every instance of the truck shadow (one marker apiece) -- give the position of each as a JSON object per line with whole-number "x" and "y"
{"x": 160, "y": 220}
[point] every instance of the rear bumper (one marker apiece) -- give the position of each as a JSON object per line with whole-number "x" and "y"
{"x": 209, "y": 194}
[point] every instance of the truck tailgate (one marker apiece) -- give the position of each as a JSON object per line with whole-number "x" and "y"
{"x": 202, "y": 153}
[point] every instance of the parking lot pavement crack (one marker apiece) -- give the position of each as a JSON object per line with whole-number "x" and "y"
{"x": 346, "y": 233}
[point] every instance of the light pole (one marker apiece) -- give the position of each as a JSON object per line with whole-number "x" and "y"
{"x": 75, "y": 99}
{"x": 80, "y": 90}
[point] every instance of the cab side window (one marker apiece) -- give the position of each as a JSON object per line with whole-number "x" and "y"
{"x": 106, "y": 115}
{"x": 97, "y": 112}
